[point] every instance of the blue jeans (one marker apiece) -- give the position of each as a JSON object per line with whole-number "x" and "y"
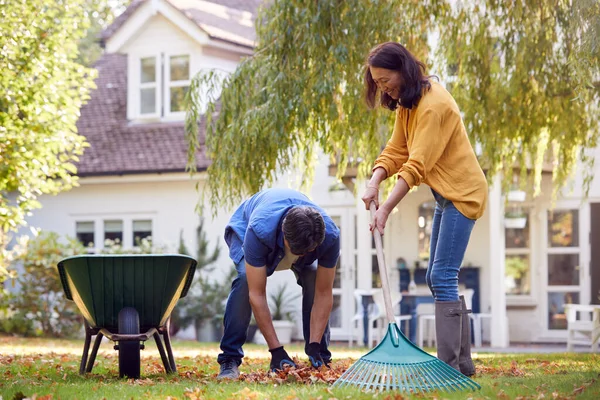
{"x": 238, "y": 312}
{"x": 450, "y": 235}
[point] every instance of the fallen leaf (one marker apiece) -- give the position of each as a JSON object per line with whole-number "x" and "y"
{"x": 193, "y": 394}
{"x": 246, "y": 394}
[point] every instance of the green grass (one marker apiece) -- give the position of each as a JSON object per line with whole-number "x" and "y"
{"x": 43, "y": 367}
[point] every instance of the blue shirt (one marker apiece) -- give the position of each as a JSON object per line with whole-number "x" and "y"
{"x": 254, "y": 231}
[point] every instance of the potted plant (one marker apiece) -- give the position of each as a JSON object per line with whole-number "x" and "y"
{"x": 516, "y": 219}
{"x": 282, "y": 305}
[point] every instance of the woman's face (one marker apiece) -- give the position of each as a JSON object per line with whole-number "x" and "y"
{"x": 387, "y": 81}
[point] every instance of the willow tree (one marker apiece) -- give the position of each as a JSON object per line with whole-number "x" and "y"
{"x": 517, "y": 67}
{"x": 302, "y": 90}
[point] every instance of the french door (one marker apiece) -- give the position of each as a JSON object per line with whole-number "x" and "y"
{"x": 345, "y": 275}
{"x": 566, "y": 274}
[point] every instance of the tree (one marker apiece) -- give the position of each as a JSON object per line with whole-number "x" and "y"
{"x": 586, "y": 55}
{"x": 101, "y": 14}
{"x": 302, "y": 89}
{"x": 42, "y": 88}
{"x": 516, "y": 80}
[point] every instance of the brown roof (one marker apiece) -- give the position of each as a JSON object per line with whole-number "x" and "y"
{"x": 120, "y": 20}
{"x": 119, "y": 147}
{"x": 233, "y": 27}
{"x": 244, "y": 5}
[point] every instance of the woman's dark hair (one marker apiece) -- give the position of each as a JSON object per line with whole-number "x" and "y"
{"x": 304, "y": 229}
{"x": 395, "y": 57}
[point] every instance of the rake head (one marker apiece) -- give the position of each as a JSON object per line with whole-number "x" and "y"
{"x": 397, "y": 364}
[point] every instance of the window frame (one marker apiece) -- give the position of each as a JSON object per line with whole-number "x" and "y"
{"x": 139, "y": 85}
{"x": 168, "y": 84}
{"x": 583, "y": 250}
{"x": 99, "y": 234}
{"x": 533, "y": 221}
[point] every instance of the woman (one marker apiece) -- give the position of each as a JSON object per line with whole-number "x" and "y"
{"x": 429, "y": 145}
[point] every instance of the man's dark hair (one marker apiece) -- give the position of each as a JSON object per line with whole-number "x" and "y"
{"x": 304, "y": 229}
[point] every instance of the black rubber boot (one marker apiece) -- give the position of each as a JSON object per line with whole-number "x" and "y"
{"x": 464, "y": 360}
{"x": 448, "y": 327}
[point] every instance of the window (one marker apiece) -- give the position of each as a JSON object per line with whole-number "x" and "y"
{"x": 563, "y": 248}
{"x": 142, "y": 229}
{"x": 375, "y": 275}
{"x": 557, "y": 319}
{"x": 563, "y": 265}
{"x": 178, "y": 82}
{"x": 113, "y": 230}
{"x": 517, "y": 279}
{"x": 124, "y": 231}
{"x": 84, "y": 231}
{"x": 149, "y": 95}
{"x": 425, "y": 222}
{"x": 163, "y": 83}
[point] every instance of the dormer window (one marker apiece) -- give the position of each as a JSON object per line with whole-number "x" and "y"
{"x": 149, "y": 93}
{"x": 163, "y": 82}
{"x": 178, "y": 83}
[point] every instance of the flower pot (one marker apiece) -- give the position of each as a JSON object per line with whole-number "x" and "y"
{"x": 208, "y": 331}
{"x": 515, "y": 223}
{"x": 251, "y": 333}
{"x": 283, "y": 329}
{"x": 516, "y": 196}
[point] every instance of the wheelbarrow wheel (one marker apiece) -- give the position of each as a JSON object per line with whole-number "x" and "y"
{"x": 129, "y": 351}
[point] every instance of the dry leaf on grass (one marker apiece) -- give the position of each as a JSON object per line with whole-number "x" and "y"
{"x": 194, "y": 394}
{"x": 246, "y": 394}
{"x": 301, "y": 374}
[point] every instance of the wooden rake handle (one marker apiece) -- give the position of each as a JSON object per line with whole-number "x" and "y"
{"x": 385, "y": 285}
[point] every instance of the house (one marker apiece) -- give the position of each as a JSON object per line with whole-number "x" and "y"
{"x": 133, "y": 184}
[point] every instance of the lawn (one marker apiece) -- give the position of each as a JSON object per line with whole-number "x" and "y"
{"x": 48, "y": 369}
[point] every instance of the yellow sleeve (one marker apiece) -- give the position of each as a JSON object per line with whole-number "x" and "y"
{"x": 427, "y": 147}
{"x": 395, "y": 153}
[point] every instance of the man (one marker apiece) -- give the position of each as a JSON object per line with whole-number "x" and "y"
{"x": 275, "y": 230}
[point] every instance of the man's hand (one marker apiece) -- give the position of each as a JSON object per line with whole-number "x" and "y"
{"x": 314, "y": 355}
{"x": 279, "y": 359}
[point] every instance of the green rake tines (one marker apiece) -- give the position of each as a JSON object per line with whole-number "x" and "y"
{"x": 397, "y": 364}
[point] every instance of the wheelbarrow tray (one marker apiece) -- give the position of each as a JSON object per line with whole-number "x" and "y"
{"x": 103, "y": 285}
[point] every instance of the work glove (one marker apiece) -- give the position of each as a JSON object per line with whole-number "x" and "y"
{"x": 279, "y": 359}
{"x": 314, "y": 355}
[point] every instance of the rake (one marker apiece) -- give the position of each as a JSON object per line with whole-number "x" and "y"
{"x": 396, "y": 363}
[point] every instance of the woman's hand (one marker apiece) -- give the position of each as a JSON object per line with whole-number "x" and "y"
{"x": 371, "y": 195}
{"x": 379, "y": 220}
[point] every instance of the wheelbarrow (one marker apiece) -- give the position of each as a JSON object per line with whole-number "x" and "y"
{"x": 128, "y": 299}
